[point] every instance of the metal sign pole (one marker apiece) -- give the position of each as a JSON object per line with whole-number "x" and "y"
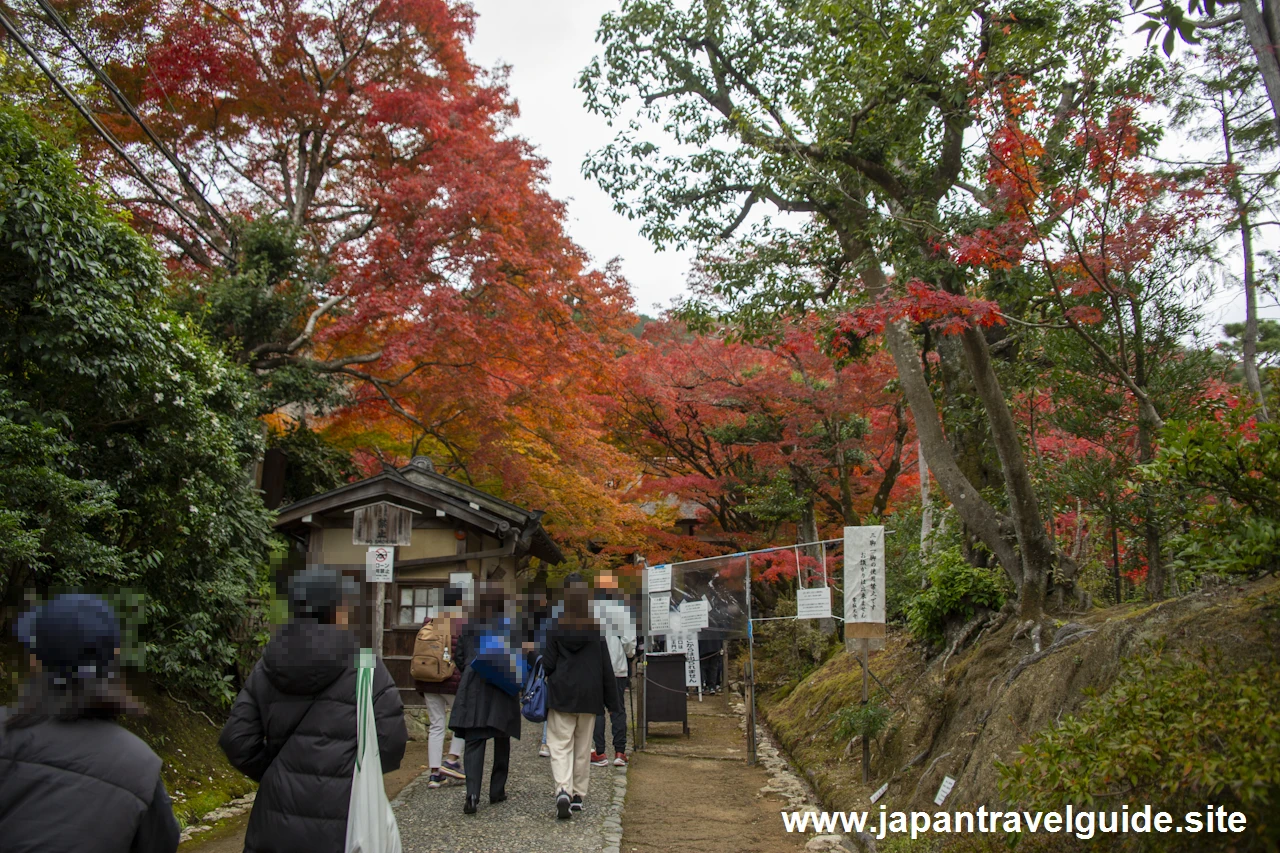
{"x": 642, "y": 668}
{"x": 751, "y": 676}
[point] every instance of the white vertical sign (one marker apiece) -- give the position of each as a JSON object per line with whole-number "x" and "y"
{"x": 660, "y": 613}
{"x": 864, "y": 580}
{"x": 659, "y": 578}
{"x": 692, "y": 661}
{"x": 378, "y": 563}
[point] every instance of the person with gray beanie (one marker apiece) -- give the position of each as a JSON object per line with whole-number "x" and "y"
{"x": 71, "y": 779}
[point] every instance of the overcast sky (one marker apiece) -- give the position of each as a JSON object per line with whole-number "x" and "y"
{"x": 547, "y": 45}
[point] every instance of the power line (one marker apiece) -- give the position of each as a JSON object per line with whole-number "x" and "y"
{"x": 107, "y": 136}
{"x": 184, "y": 174}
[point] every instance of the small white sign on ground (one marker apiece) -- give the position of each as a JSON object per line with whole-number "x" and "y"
{"x": 660, "y": 614}
{"x": 659, "y": 578}
{"x": 693, "y": 615}
{"x": 945, "y": 788}
{"x": 813, "y": 603}
{"x": 879, "y": 792}
{"x": 378, "y": 564}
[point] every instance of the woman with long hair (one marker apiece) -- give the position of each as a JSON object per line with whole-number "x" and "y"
{"x": 483, "y": 711}
{"x": 581, "y": 684}
{"x": 70, "y": 777}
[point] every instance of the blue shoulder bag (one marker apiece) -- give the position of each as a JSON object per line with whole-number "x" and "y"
{"x": 534, "y": 705}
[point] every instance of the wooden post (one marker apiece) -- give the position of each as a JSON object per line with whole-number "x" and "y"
{"x": 379, "y": 615}
{"x": 866, "y": 697}
{"x": 750, "y": 687}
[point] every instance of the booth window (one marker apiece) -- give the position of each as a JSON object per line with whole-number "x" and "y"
{"x": 413, "y": 605}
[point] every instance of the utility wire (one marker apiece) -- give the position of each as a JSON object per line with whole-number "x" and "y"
{"x": 184, "y": 174}
{"x": 107, "y": 136}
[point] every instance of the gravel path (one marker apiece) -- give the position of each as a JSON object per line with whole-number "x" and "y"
{"x": 431, "y": 821}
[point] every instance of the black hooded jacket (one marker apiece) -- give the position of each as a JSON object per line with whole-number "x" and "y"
{"x": 293, "y": 729}
{"x": 579, "y": 674}
{"x": 86, "y": 786}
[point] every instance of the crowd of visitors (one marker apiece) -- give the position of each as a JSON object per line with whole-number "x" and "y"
{"x": 73, "y": 779}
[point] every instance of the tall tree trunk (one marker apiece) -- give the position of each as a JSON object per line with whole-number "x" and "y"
{"x": 1249, "y": 342}
{"x": 973, "y": 510}
{"x": 891, "y": 471}
{"x": 926, "y": 506}
{"x": 1038, "y": 554}
{"x": 1263, "y": 40}
{"x": 1149, "y": 424}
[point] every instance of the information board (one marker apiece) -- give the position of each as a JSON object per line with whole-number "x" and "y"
{"x": 659, "y": 578}
{"x": 813, "y": 603}
{"x": 379, "y": 564}
{"x": 864, "y": 582}
{"x": 694, "y": 615}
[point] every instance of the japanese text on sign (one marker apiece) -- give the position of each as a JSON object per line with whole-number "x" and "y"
{"x": 659, "y": 578}
{"x": 864, "y": 575}
{"x": 378, "y": 564}
{"x": 813, "y": 603}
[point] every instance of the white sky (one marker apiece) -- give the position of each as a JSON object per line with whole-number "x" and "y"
{"x": 547, "y": 45}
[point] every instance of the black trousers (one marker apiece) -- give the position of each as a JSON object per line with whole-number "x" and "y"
{"x": 712, "y": 671}
{"x": 618, "y": 722}
{"x": 473, "y": 765}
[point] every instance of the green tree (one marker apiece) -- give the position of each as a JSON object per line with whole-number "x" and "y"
{"x": 849, "y": 119}
{"x": 119, "y": 404}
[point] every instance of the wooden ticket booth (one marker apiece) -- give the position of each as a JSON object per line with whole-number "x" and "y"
{"x": 440, "y": 530}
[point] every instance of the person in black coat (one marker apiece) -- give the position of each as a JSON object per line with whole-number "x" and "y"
{"x": 293, "y": 726}
{"x": 481, "y": 710}
{"x": 580, "y": 685}
{"x": 71, "y": 779}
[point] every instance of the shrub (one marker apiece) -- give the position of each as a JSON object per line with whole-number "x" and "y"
{"x": 956, "y": 591}
{"x": 1171, "y": 733}
{"x": 1228, "y": 464}
{"x": 866, "y": 721}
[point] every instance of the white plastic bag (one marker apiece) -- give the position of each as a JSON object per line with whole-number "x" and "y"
{"x": 371, "y": 825}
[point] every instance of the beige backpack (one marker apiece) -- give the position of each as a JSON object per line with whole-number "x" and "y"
{"x": 433, "y": 653}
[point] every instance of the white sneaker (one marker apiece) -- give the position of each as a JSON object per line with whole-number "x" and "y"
{"x": 544, "y": 751}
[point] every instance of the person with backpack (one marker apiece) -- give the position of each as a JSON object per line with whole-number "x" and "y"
{"x": 485, "y": 709}
{"x": 293, "y": 727}
{"x": 581, "y": 684}
{"x": 436, "y": 675}
{"x": 71, "y": 779}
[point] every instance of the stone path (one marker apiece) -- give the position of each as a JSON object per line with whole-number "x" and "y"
{"x": 431, "y": 821}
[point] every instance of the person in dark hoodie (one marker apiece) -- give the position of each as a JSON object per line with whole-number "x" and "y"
{"x": 580, "y": 684}
{"x": 482, "y": 711}
{"x": 292, "y": 729}
{"x": 71, "y": 779}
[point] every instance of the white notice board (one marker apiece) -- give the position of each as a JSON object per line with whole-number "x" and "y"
{"x": 693, "y": 615}
{"x": 659, "y": 578}
{"x": 813, "y": 603}
{"x": 378, "y": 564}
{"x": 660, "y": 613}
{"x": 864, "y": 581}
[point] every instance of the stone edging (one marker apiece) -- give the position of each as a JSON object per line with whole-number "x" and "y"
{"x": 784, "y": 782}
{"x": 612, "y": 826}
{"x": 235, "y": 808}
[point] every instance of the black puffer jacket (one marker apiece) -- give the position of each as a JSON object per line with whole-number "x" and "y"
{"x": 579, "y": 672}
{"x": 86, "y": 786}
{"x": 480, "y": 709}
{"x": 293, "y": 729}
